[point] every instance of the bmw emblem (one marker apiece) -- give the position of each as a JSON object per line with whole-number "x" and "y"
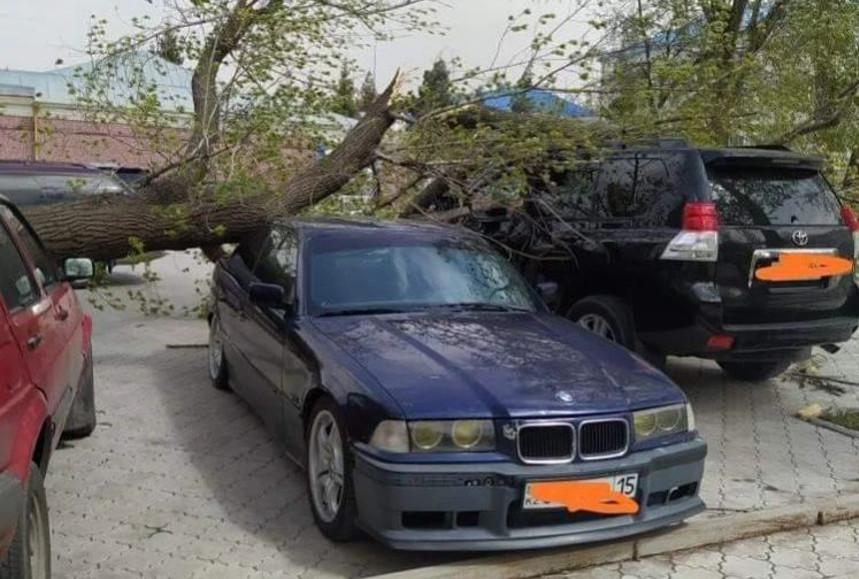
{"x": 564, "y": 396}
{"x": 800, "y": 238}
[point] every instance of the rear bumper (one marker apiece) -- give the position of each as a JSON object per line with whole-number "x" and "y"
{"x": 478, "y": 506}
{"x": 753, "y": 339}
{"x": 11, "y": 503}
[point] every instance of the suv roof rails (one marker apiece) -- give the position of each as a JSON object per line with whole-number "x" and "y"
{"x": 660, "y": 143}
{"x": 767, "y": 147}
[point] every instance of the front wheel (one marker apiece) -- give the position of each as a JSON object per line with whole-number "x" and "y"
{"x": 82, "y": 419}
{"x": 29, "y": 555}
{"x": 755, "y": 371}
{"x": 329, "y": 473}
{"x": 217, "y": 362}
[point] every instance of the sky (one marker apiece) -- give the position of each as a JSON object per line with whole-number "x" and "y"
{"x": 34, "y": 34}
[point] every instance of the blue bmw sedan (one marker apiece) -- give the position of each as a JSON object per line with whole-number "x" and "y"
{"x": 434, "y": 401}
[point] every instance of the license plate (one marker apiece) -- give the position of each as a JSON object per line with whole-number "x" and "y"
{"x": 625, "y": 484}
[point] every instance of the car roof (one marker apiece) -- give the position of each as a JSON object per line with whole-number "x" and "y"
{"x": 775, "y": 155}
{"x": 311, "y": 226}
{"x": 13, "y": 166}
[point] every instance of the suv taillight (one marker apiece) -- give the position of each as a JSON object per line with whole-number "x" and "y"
{"x": 699, "y": 216}
{"x": 849, "y": 219}
{"x": 699, "y": 238}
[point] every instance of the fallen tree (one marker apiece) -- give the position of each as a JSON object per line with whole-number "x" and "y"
{"x": 110, "y": 226}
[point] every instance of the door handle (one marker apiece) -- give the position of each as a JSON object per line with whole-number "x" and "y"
{"x": 62, "y": 314}
{"x": 34, "y": 342}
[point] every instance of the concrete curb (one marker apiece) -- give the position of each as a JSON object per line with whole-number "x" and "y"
{"x": 697, "y": 533}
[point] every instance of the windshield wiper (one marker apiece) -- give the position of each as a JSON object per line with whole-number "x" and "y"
{"x": 359, "y": 311}
{"x": 481, "y": 307}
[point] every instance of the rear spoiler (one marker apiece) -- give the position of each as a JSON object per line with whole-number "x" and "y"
{"x": 769, "y": 157}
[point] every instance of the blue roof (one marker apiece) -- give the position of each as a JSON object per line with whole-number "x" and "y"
{"x": 172, "y": 82}
{"x": 541, "y": 100}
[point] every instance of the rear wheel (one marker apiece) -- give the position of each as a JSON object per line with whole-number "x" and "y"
{"x": 30, "y": 553}
{"x": 217, "y": 363}
{"x": 606, "y": 316}
{"x": 755, "y": 371}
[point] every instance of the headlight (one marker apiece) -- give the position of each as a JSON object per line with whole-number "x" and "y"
{"x": 391, "y": 435}
{"x": 663, "y": 421}
{"x": 435, "y": 436}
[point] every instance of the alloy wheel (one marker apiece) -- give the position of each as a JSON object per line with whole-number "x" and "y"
{"x": 598, "y": 325}
{"x": 325, "y": 466}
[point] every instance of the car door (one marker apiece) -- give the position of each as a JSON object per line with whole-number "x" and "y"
{"x": 64, "y": 334}
{"x": 270, "y": 353}
{"x": 32, "y": 321}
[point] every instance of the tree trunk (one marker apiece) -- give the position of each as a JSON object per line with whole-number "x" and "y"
{"x": 112, "y": 226}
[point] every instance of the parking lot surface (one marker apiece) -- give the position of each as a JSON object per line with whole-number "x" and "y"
{"x": 180, "y": 480}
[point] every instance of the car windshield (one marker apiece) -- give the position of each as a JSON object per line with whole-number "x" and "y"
{"x": 383, "y": 275}
{"x": 763, "y": 196}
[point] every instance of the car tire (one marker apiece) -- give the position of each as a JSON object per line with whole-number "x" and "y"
{"x": 82, "y": 417}
{"x": 216, "y": 361}
{"x": 337, "y": 521}
{"x": 756, "y": 371}
{"x": 606, "y": 316}
{"x": 29, "y": 555}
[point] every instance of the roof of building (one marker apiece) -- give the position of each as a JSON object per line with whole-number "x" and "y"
{"x": 61, "y": 85}
{"x": 541, "y": 100}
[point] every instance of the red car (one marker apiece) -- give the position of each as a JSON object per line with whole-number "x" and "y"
{"x": 46, "y": 386}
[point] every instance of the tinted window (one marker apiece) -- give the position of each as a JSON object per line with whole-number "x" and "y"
{"x": 764, "y": 196}
{"x": 278, "y": 258}
{"x": 269, "y": 255}
{"x": 571, "y": 193}
{"x": 16, "y": 286}
{"x": 46, "y": 271}
{"x": 647, "y": 186}
{"x": 410, "y": 275}
{"x": 616, "y": 189}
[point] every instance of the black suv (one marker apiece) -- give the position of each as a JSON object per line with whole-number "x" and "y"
{"x": 661, "y": 249}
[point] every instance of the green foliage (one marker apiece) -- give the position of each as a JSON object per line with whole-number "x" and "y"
{"x": 368, "y": 92}
{"x": 436, "y": 91}
{"x": 736, "y": 72}
{"x": 343, "y": 102}
{"x": 169, "y": 47}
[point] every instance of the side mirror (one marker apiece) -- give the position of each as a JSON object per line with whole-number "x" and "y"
{"x": 269, "y": 295}
{"x": 78, "y": 268}
{"x": 548, "y": 291}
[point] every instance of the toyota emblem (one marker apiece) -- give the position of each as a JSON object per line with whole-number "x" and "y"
{"x": 800, "y": 238}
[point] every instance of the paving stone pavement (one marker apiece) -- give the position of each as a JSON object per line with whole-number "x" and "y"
{"x": 831, "y": 551}
{"x": 180, "y": 480}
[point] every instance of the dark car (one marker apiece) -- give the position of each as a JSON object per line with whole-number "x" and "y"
{"x": 28, "y": 183}
{"x": 435, "y": 402}
{"x": 46, "y": 387}
{"x": 744, "y": 256}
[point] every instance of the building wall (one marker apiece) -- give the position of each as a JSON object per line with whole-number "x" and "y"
{"x": 36, "y": 138}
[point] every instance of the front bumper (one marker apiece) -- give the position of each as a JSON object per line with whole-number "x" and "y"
{"x": 11, "y": 503}
{"x": 478, "y": 506}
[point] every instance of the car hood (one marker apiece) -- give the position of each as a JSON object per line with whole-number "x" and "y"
{"x": 497, "y": 365}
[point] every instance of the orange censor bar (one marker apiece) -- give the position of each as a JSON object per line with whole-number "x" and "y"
{"x": 804, "y": 266}
{"x": 591, "y": 496}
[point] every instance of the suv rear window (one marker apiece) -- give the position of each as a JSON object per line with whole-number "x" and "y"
{"x": 766, "y": 196}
